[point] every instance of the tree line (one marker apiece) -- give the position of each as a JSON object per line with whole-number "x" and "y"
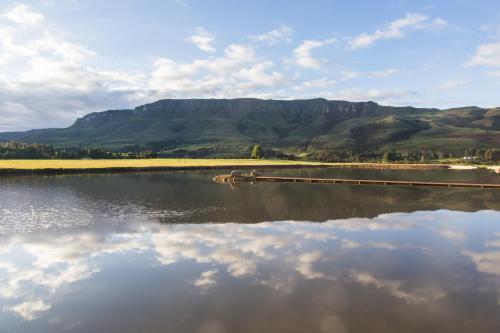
{"x": 19, "y": 150}
{"x": 473, "y": 156}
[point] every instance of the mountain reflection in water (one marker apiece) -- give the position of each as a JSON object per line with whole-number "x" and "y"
{"x": 37, "y": 203}
{"x": 176, "y": 252}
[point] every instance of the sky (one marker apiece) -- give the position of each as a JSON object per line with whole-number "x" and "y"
{"x": 62, "y": 59}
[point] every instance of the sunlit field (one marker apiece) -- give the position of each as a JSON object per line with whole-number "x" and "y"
{"x": 144, "y": 163}
{"x": 197, "y": 163}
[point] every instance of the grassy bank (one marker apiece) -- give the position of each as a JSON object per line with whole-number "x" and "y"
{"x": 130, "y": 165}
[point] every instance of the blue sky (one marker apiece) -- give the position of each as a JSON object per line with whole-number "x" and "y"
{"x": 60, "y": 59}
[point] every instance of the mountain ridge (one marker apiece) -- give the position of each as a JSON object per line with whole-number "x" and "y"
{"x": 281, "y": 124}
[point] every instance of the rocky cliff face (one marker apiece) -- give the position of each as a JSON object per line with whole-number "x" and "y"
{"x": 296, "y": 111}
{"x": 97, "y": 118}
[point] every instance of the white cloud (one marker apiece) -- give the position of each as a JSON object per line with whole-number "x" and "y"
{"x": 240, "y": 53}
{"x": 22, "y": 14}
{"x": 384, "y": 245}
{"x": 303, "y": 53}
{"x": 274, "y": 36}
{"x": 349, "y": 244}
{"x": 384, "y": 73}
{"x": 452, "y": 84}
{"x": 239, "y": 72}
{"x": 256, "y": 76}
{"x": 485, "y": 262}
{"x": 25, "y": 36}
{"x": 397, "y": 29}
{"x": 29, "y": 310}
{"x": 451, "y": 233}
{"x": 396, "y": 288}
{"x": 348, "y": 74}
{"x": 305, "y": 265}
{"x": 48, "y": 266}
{"x": 33, "y": 271}
{"x": 488, "y": 262}
{"x": 378, "y": 95}
{"x": 486, "y": 55}
{"x": 206, "y": 280}
{"x": 494, "y": 73}
{"x": 322, "y": 83}
{"x": 203, "y": 39}
{"x": 439, "y": 23}
{"x": 48, "y": 81}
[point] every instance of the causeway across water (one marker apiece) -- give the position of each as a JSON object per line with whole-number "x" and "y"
{"x": 252, "y": 178}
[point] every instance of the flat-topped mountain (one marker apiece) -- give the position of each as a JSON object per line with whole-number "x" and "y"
{"x": 198, "y": 123}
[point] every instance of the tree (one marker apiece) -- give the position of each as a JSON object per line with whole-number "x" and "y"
{"x": 492, "y": 154}
{"x": 257, "y": 152}
{"x": 148, "y": 154}
{"x": 386, "y": 158}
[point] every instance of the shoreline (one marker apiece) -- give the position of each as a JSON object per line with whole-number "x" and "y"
{"x": 62, "y": 167}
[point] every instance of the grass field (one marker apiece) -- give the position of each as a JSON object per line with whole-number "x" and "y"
{"x": 143, "y": 163}
{"x": 72, "y": 166}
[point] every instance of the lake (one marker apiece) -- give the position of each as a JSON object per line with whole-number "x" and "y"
{"x": 176, "y": 252}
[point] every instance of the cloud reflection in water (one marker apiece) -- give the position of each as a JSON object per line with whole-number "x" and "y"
{"x": 412, "y": 258}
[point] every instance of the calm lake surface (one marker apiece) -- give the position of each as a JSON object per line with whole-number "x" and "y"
{"x": 176, "y": 252}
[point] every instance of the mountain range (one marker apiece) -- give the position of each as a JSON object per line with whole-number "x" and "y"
{"x": 233, "y": 124}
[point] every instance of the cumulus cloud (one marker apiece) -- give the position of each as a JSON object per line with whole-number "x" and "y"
{"x": 239, "y": 73}
{"x": 397, "y": 288}
{"x": 257, "y": 76}
{"x": 48, "y": 81}
{"x": 203, "y": 39}
{"x": 305, "y": 265}
{"x": 397, "y": 29}
{"x": 22, "y": 14}
{"x": 303, "y": 53}
{"x": 486, "y": 55}
{"x": 485, "y": 262}
{"x": 29, "y": 310}
{"x": 206, "y": 280}
{"x": 48, "y": 266}
{"x": 275, "y": 254}
{"x": 274, "y": 36}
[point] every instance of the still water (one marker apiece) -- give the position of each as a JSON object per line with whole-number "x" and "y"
{"x": 175, "y": 252}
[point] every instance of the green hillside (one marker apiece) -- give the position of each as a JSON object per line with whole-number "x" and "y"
{"x": 221, "y": 126}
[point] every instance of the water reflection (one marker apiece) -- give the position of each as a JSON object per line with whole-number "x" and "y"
{"x": 398, "y": 272}
{"x": 35, "y": 203}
